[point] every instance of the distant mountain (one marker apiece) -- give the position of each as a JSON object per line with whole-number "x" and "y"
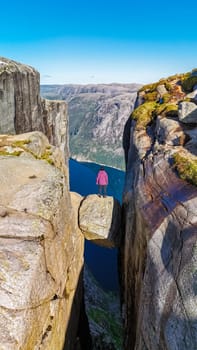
{"x": 97, "y": 115}
{"x": 67, "y": 91}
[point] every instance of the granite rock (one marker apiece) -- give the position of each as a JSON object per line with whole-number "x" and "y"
{"x": 41, "y": 250}
{"x": 100, "y": 220}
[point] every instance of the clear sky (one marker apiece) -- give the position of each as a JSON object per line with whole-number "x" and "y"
{"x": 91, "y": 41}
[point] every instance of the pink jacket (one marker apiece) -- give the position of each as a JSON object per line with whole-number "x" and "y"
{"x": 102, "y": 178}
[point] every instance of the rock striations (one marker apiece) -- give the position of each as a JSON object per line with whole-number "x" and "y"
{"x": 22, "y": 109}
{"x": 41, "y": 250}
{"x": 159, "y": 252}
{"x": 42, "y": 246}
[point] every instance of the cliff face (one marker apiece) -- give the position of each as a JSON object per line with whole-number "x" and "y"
{"x": 159, "y": 252}
{"x": 23, "y": 110}
{"x": 41, "y": 254}
{"x": 41, "y": 247}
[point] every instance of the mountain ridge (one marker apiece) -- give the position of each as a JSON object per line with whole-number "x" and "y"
{"x": 97, "y": 115}
{"x": 66, "y": 90}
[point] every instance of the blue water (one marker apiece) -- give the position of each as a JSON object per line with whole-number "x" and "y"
{"x": 101, "y": 261}
{"x": 103, "y": 264}
{"x": 83, "y": 179}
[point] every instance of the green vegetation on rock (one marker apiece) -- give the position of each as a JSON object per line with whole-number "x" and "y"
{"x": 177, "y": 77}
{"x": 186, "y": 167}
{"x": 20, "y": 143}
{"x": 189, "y": 83}
{"x": 168, "y": 86}
{"x": 166, "y": 104}
{"x": 167, "y": 108}
{"x": 166, "y": 97}
{"x": 149, "y": 87}
{"x": 150, "y": 96}
{"x": 109, "y": 323}
{"x": 20, "y": 147}
{"x": 165, "y": 81}
{"x": 47, "y": 156}
{"x": 144, "y": 114}
{"x": 103, "y": 311}
{"x": 6, "y": 153}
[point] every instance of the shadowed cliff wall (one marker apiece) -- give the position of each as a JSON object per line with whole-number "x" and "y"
{"x": 158, "y": 255}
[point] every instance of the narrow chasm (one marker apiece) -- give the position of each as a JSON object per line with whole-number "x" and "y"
{"x": 100, "y": 275}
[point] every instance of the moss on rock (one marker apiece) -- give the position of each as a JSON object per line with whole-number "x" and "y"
{"x": 166, "y": 97}
{"x": 20, "y": 146}
{"x": 114, "y": 329}
{"x": 189, "y": 83}
{"x": 144, "y": 114}
{"x": 167, "y": 105}
{"x": 20, "y": 143}
{"x": 6, "y": 153}
{"x": 149, "y": 87}
{"x": 47, "y": 156}
{"x": 167, "y": 109}
{"x": 150, "y": 96}
{"x": 166, "y": 81}
{"x": 186, "y": 167}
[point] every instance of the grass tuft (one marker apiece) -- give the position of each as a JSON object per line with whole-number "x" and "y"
{"x": 144, "y": 114}
{"x": 186, "y": 167}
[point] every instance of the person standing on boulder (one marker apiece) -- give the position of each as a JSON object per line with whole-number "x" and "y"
{"x": 102, "y": 182}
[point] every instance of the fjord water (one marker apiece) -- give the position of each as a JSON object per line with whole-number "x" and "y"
{"x": 101, "y": 261}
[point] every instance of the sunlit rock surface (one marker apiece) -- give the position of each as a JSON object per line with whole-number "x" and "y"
{"x": 159, "y": 255}
{"x": 100, "y": 220}
{"x": 41, "y": 247}
{"x": 188, "y": 112}
{"x": 22, "y": 109}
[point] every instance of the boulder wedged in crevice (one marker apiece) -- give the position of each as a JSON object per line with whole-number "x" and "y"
{"x": 102, "y": 304}
{"x": 100, "y": 220}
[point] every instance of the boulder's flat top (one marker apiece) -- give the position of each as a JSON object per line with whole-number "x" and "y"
{"x": 99, "y": 220}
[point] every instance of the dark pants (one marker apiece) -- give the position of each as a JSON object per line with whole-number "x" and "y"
{"x": 102, "y": 189}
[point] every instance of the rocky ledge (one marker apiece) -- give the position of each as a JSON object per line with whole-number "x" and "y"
{"x": 41, "y": 248}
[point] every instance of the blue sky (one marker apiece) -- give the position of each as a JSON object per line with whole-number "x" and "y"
{"x": 100, "y": 41}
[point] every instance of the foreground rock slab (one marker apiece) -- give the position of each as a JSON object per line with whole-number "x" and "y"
{"x": 41, "y": 247}
{"x": 100, "y": 220}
